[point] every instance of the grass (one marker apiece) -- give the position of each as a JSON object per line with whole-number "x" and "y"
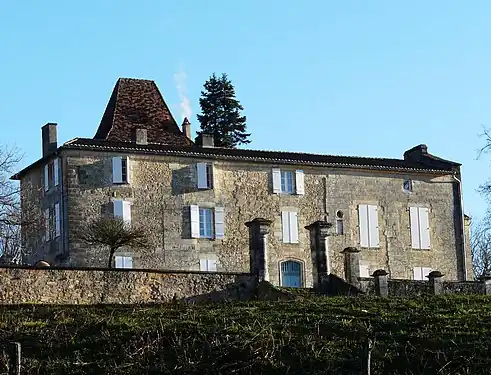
{"x": 427, "y": 335}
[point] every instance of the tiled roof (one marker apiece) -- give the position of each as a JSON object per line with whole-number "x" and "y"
{"x": 138, "y": 103}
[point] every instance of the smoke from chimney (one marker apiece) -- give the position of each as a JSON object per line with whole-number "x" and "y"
{"x": 180, "y": 79}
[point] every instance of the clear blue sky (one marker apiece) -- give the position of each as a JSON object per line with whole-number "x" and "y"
{"x": 370, "y": 78}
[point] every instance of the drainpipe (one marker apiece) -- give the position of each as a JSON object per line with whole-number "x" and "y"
{"x": 462, "y": 226}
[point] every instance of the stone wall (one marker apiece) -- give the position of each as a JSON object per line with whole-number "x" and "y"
{"x": 163, "y": 187}
{"x": 92, "y": 286}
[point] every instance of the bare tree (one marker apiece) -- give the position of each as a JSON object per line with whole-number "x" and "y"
{"x": 112, "y": 233}
{"x": 481, "y": 247}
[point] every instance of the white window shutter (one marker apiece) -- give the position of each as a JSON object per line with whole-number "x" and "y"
{"x": 202, "y": 178}
{"x": 194, "y": 218}
{"x": 364, "y": 271}
{"x": 117, "y": 170}
{"x": 56, "y": 171}
{"x": 47, "y": 226}
{"x": 414, "y": 219}
{"x": 299, "y": 182}
{"x": 128, "y": 170}
{"x": 418, "y": 273}
{"x": 276, "y": 181}
{"x": 57, "y": 220}
{"x": 425, "y": 272}
{"x": 285, "y": 226}
{"x": 118, "y": 210}
{"x": 219, "y": 222}
{"x": 424, "y": 228}
{"x": 373, "y": 234}
{"x": 363, "y": 224}
{"x": 212, "y": 265}
{"x": 127, "y": 212}
{"x": 46, "y": 177}
{"x": 118, "y": 261}
{"x": 203, "y": 265}
{"x": 128, "y": 262}
{"x": 293, "y": 227}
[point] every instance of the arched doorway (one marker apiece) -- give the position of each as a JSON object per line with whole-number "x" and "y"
{"x": 291, "y": 274}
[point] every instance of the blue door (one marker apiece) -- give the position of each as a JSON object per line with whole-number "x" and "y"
{"x": 291, "y": 274}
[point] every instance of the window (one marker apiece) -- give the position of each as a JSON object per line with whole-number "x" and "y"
{"x": 121, "y": 170}
{"x": 51, "y": 174}
{"x": 368, "y": 225}
{"x": 57, "y": 220}
{"x": 289, "y": 224}
{"x": 209, "y": 265}
{"x": 339, "y": 222}
{"x": 364, "y": 270}
{"x": 123, "y": 261}
{"x": 407, "y": 186}
{"x": 122, "y": 209}
{"x": 52, "y": 222}
{"x": 291, "y": 274}
{"x": 207, "y": 222}
{"x": 420, "y": 227}
{"x": 205, "y": 175}
{"x": 420, "y": 273}
{"x": 288, "y": 182}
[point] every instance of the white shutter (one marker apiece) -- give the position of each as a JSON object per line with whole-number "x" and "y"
{"x": 418, "y": 273}
{"x": 202, "y": 178}
{"x": 127, "y": 212}
{"x": 276, "y": 181}
{"x": 424, "y": 228}
{"x": 414, "y": 219}
{"x": 118, "y": 261}
{"x": 299, "y": 182}
{"x": 57, "y": 220}
{"x": 128, "y": 262}
{"x": 373, "y": 234}
{"x": 117, "y": 170}
{"x": 46, "y": 220}
{"x": 364, "y": 271}
{"x": 203, "y": 265}
{"x": 212, "y": 265}
{"x": 118, "y": 210}
{"x": 55, "y": 171}
{"x": 293, "y": 227}
{"x": 128, "y": 170}
{"x": 285, "y": 225}
{"x": 363, "y": 224}
{"x": 194, "y": 217}
{"x": 219, "y": 222}
{"x": 425, "y": 272}
{"x": 46, "y": 177}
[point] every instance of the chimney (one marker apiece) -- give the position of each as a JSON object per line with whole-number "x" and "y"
{"x": 186, "y": 128}
{"x": 207, "y": 140}
{"x": 416, "y": 153}
{"x": 50, "y": 143}
{"x": 139, "y": 136}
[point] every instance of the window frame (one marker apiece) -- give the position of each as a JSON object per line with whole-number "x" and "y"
{"x": 286, "y": 176}
{"x": 206, "y": 221}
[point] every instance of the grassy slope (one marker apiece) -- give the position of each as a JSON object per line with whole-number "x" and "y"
{"x": 316, "y": 336}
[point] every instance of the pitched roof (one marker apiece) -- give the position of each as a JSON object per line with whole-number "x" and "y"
{"x": 138, "y": 103}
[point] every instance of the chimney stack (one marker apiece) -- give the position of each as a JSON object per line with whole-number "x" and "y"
{"x": 186, "y": 128}
{"x": 139, "y": 136}
{"x": 416, "y": 153}
{"x": 50, "y": 143}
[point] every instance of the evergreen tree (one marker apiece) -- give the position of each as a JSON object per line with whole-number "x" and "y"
{"x": 220, "y": 113}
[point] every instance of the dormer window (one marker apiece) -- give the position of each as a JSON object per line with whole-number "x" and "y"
{"x": 407, "y": 186}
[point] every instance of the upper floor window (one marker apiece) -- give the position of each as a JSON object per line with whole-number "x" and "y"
{"x": 420, "y": 227}
{"x": 121, "y": 170}
{"x": 51, "y": 174}
{"x": 205, "y": 175}
{"x": 339, "y": 222}
{"x": 289, "y": 226}
{"x": 122, "y": 209}
{"x": 207, "y": 222}
{"x": 368, "y": 225}
{"x": 407, "y": 186}
{"x": 288, "y": 181}
{"x": 52, "y": 222}
{"x": 123, "y": 261}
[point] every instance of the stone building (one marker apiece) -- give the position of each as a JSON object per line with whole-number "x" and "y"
{"x": 405, "y": 215}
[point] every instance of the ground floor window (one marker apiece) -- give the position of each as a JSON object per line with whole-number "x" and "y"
{"x": 291, "y": 274}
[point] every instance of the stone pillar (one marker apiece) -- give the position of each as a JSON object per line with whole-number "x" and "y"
{"x": 486, "y": 281}
{"x": 320, "y": 254}
{"x": 436, "y": 282}
{"x": 258, "y": 247}
{"x": 352, "y": 265}
{"x": 381, "y": 283}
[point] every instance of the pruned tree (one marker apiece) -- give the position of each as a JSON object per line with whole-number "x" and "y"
{"x": 481, "y": 247}
{"x": 221, "y": 113}
{"x": 113, "y": 234}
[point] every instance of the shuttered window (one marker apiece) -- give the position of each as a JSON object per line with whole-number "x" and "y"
{"x": 47, "y": 225}
{"x": 368, "y": 225}
{"x": 205, "y": 175}
{"x": 56, "y": 172}
{"x": 289, "y": 223}
{"x": 420, "y": 273}
{"x": 46, "y": 177}
{"x": 420, "y": 227}
{"x": 288, "y": 182}
{"x": 364, "y": 271}
{"x": 122, "y": 209}
{"x": 123, "y": 261}
{"x": 120, "y": 169}
{"x": 207, "y": 222}
{"x": 57, "y": 220}
{"x": 209, "y": 265}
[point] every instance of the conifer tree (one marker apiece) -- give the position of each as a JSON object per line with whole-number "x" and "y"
{"x": 221, "y": 113}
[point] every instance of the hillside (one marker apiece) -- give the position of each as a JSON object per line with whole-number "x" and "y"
{"x": 312, "y": 336}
